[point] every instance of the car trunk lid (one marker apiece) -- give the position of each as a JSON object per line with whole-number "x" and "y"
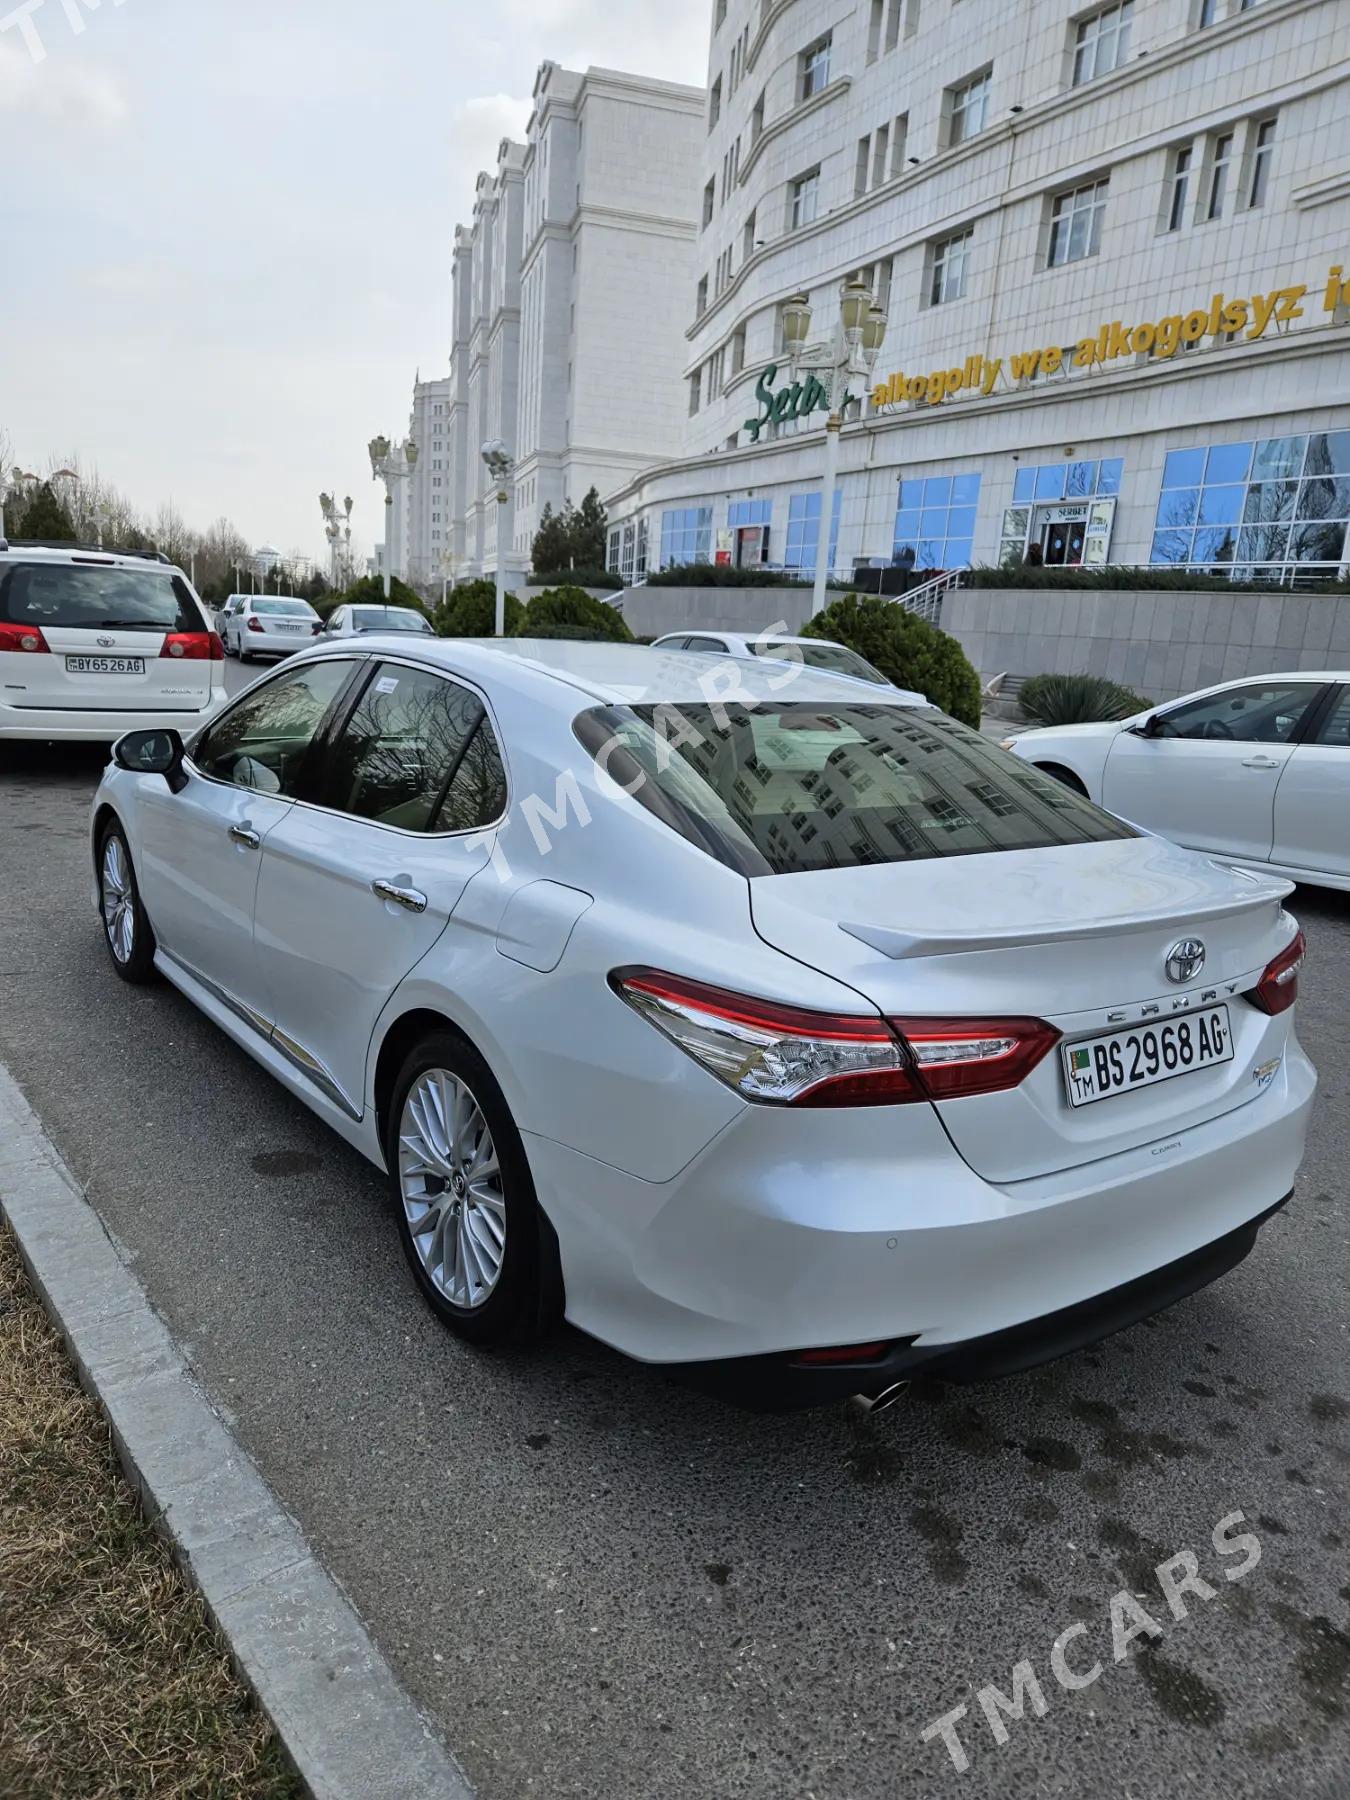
{"x": 1078, "y": 935}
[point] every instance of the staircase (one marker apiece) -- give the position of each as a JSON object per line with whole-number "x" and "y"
{"x": 926, "y": 601}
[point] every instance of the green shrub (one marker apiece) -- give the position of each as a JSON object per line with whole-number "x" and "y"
{"x": 908, "y": 650}
{"x": 609, "y": 579}
{"x": 369, "y": 591}
{"x": 1120, "y": 576}
{"x": 571, "y": 611}
{"x": 706, "y": 574}
{"x": 1077, "y": 699}
{"x": 470, "y": 610}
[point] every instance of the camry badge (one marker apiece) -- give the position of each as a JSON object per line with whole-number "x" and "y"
{"x": 1185, "y": 960}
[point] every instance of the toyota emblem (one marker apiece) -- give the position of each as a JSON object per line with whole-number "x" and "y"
{"x": 106, "y": 643}
{"x": 1185, "y": 960}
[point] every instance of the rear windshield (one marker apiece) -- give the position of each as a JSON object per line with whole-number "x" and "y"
{"x": 96, "y": 597}
{"x": 834, "y": 658}
{"x": 387, "y": 618}
{"x": 291, "y": 608}
{"x": 778, "y": 788}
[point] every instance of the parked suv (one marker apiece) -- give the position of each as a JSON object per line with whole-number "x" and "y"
{"x": 94, "y": 643}
{"x": 269, "y": 625}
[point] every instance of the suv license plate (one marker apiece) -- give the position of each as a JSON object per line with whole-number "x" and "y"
{"x": 1097, "y": 1068}
{"x": 105, "y": 665}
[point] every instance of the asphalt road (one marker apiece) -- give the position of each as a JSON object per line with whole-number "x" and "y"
{"x": 600, "y": 1584}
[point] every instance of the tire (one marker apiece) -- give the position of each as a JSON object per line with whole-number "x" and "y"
{"x": 503, "y": 1225}
{"x": 127, "y": 933}
{"x": 1065, "y": 777}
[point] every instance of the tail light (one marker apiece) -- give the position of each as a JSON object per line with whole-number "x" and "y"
{"x": 1277, "y": 989}
{"x": 24, "y": 638}
{"x": 790, "y": 1056}
{"x": 254, "y": 622}
{"x": 197, "y": 646}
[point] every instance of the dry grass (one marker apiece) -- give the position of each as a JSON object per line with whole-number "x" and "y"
{"x": 112, "y": 1682}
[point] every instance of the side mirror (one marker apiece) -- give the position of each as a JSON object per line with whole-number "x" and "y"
{"x": 1151, "y": 727}
{"x": 157, "y": 752}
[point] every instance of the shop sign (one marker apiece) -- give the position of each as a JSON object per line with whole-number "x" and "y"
{"x": 794, "y": 401}
{"x": 1248, "y": 317}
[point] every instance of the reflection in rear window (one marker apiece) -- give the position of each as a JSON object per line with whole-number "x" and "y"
{"x": 292, "y": 608}
{"x": 388, "y": 618}
{"x": 777, "y": 788}
{"x": 96, "y": 597}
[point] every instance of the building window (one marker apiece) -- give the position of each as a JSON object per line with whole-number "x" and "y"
{"x": 709, "y": 202}
{"x": 701, "y": 297}
{"x": 1101, "y": 42}
{"x": 1052, "y": 484}
{"x": 899, "y": 144}
{"x": 804, "y": 194}
{"x": 1273, "y": 508}
{"x": 813, "y": 68}
{"x": 640, "y": 563}
{"x": 968, "y": 107}
{"x": 628, "y": 554}
{"x": 738, "y": 350}
{"x": 719, "y": 15}
{"x": 686, "y": 535}
{"x": 874, "y": 22}
{"x": 1209, "y": 12}
{"x": 1076, "y": 224}
{"x": 715, "y": 103}
{"x": 947, "y": 280}
{"x": 861, "y": 167}
{"x": 748, "y": 238}
{"x": 1179, "y": 183}
{"x": 803, "y": 530}
{"x": 1263, "y": 147}
{"x": 880, "y": 146}
{"x": 694, "y": 382}
{"x": 935, "y": 521}
{"x": 615, "y": 550}
{"x": 1220, "y": 158}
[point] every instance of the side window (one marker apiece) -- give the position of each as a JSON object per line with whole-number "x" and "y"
{"x": 261, "y": 741}
{"x": 477, "y": 791}
{"x": 1266, "y": 712}
{"x": 1336, "y": 726}
{"x": 705, "y": 643}
{"x": 398, "y": 754}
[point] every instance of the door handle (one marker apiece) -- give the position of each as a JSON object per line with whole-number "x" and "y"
{"x": 1262, "y": 762}
{"x": 242, "y": 834}
{"x": 408, "y": 898}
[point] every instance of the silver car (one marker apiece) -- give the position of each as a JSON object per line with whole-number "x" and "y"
{"x": 355, "y": 621}
{"x": 269, "y": 625}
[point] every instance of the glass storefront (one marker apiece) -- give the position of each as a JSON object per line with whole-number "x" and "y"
{"x": 1269, "y": 507}
{"x": 803, "y": 532}
{"x": 1066, "y": 509}
{"x": 686, "y": 535}
{"x": 935, "y": 521}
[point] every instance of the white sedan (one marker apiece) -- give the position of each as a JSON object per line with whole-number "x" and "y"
{"x": 800, "y": 1040}
{"x": 1257, "y": 770}
{"x": 811, "y": 653}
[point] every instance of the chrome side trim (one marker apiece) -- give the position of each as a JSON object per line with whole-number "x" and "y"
{"x": 253, "y": 1019}
{"x": 313, "y": 1070}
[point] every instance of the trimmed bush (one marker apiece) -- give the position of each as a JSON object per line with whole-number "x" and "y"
{"x": 572, "y": 612}
{"x": 706, "y": 574}
{"x": 1077, "y": 699}
{"x": 369, "y": 591}
{"x": 908, "y": 650}
{"x": 1122, "y": 577}
{"x": 609, "y": 579}
{"x": 470, "y": 610}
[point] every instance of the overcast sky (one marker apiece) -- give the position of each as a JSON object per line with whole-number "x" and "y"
{"x": 225, "y": 226}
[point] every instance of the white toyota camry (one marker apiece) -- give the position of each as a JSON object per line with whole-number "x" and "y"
{"x": 1257, "y": 770}
{"x": 798, "y": 1039}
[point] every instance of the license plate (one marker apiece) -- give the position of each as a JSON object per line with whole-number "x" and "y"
{"x": 1097, "y": 1068}
{"x": 286, "y": 628}
{"x": 105, "y": 665}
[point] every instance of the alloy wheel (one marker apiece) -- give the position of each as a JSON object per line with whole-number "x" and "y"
{"x": 119, "y": 904}
{"x": 450, "y": 1183}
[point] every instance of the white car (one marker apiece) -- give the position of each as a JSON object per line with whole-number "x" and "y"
{"x": 801, "y": 1042}
{"x": 269, "y": 625}
{"x": 226, "y": 611}
{"x": 1257, "y": 770}
{"x": 94, "y": 643}
{"x": 812, "y": 653}
{"x": 357, "y": 621}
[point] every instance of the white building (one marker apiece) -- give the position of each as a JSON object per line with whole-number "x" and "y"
{"x": 425, "y": 493}
{"x": 569, "y": 303}
{"x": 1114, "y": 244}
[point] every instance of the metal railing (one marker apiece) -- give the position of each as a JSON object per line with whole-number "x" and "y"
{"x": 925, "y": 601}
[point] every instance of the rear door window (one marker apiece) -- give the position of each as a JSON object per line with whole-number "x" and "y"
{"x": 778, "y": 788}
{"x": 417, "y": 753}
{"x": 96, "y": 598}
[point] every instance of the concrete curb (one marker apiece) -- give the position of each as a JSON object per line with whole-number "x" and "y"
{"x": 351, "y": 1731}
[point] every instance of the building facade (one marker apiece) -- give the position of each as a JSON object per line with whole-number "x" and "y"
{"x": 424, "y": 495}
{"x": 568, "y": 304}
{"x": 1114, "y": 246}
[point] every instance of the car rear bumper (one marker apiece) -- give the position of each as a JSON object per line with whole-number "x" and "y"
{"x": 811, "y": 1230}
{"x": 101, "y": 725}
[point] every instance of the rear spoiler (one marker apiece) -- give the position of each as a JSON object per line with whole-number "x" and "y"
{"x": 899, "y": 944}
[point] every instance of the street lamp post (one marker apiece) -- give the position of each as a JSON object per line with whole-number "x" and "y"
{"x": 498, "y": 459}
{"x": 337, "y": 527}
{"x": 852, "y": 350}
{"x": 391, "y": 465}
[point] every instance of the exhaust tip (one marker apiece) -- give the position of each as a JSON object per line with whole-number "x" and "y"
{"x": 867, "y": 1404}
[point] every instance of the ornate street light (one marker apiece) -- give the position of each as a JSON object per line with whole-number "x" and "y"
{"x": 391, "y": 466}
{"x": 498, "y": 459}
